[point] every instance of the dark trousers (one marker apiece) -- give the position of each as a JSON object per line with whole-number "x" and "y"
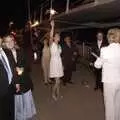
{"x": 67, "y": 75}
{"x": 7, "y": 106}
{"x": 98, "y": 74}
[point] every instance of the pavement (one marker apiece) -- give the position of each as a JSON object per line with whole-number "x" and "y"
{"x": 77, "y": 102}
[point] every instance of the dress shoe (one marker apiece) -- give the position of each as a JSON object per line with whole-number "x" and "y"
{"x": 64, "y": 84}
{"x": 46, "y": 84}
{"x": 70, "y": 82}
{"x": 96, "y": 88}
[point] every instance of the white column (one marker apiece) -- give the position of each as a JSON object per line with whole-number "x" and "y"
{"x": 41, "y": 13}
{"x": 67, "y": 6}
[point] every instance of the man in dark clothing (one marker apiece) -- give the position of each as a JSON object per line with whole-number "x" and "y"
{"x": 96, "y": 49}
{"x": 68, "y": 57}
{"x": 7, "y": 84}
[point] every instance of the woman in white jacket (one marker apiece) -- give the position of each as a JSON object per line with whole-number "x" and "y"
{"x": 109, "y": 61}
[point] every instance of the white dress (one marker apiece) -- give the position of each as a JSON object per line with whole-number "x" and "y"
{"x": 56, "y": 67}
{"x": 24, "y": 106}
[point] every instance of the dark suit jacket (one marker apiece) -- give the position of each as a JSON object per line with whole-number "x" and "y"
{"x": 3, "y": 80}
{"x": 24, "y": 79}
{"x": 68, "y": 56}
{"x": 4, "y": 83}
{"x": 96, "y": 50}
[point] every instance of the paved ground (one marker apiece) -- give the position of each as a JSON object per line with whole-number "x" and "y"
{"x": 79, "y": 102}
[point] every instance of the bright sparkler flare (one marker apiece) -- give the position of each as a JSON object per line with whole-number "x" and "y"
{"x": 36, "y": 23}
{"x": 52, "y": 12}
{"x": 11, "y": 23}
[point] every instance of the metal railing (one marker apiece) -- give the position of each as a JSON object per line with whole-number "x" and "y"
{"x": 64, "y": 6}
{"x": 84, "y": 50}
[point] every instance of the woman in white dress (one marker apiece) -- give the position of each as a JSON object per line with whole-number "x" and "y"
{"x": 56, "y": 67}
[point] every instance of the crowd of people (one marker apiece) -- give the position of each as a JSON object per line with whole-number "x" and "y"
{"x": 58, "y": 62}
{"x": 16, "y": 101}
{"x": 104, "y": 60}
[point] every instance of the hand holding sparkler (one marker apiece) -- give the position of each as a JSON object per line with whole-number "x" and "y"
{"x": 93, "y": 54}
{"x": 19, "y": 70}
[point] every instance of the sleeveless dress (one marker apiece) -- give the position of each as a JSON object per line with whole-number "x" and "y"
{"x": 45, "y": 57}
{"x": 56, "y": 67}
{"x": 46, "y": 62}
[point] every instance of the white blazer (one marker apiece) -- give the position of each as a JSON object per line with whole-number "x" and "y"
{"x": 109, "y": 61}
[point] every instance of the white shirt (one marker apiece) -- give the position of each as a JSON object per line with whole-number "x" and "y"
{"x": 14, "y": 55}
{"x": 9, "y": 72}
{"x": 99, "y": 43}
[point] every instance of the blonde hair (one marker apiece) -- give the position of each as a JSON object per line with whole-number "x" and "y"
{"x": 113, "y": 35}
{"x": 7, "y": 38}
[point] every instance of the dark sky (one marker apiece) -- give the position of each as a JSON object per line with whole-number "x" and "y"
{"x": 11, "y": 10}
{"x": 16, "y": 11}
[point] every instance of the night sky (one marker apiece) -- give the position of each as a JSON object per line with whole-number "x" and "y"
{"x": 16, "y": 11}
{"x": 11, "y": 10}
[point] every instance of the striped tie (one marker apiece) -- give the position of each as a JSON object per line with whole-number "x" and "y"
{"x": 7, "y": 68}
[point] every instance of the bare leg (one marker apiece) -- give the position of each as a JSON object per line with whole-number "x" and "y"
{"x": 48, "y": 78}
{"x": 56, "y": 89}
{"x": 45, "y": 67}
{"x": 45, "y": 76}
